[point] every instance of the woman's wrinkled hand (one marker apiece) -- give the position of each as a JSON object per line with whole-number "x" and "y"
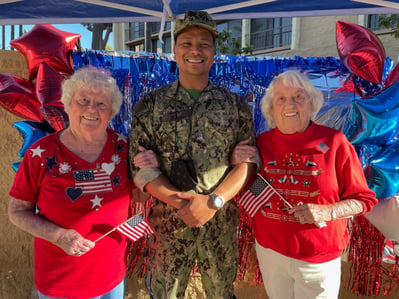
{"x": 146, "y": 159}
{"x": 311, "y": 213}
{"x": 242, "y": 153}
{"x": 73, "y": 243}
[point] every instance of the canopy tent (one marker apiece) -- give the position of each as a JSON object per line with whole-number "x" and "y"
{"x": 14, "y": 12}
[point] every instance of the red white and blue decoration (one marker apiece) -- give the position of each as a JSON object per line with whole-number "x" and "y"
{"x": 361, "y": 99}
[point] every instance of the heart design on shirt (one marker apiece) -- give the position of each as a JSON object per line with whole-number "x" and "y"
{"x": 108, "y": 167}
{"x": 74, "y": 193}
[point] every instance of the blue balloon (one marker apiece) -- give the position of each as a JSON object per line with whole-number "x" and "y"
{"x": 376, "y": 119}
{"x": 30, "y": 132}
{"x": 15, "y": 166}
{"x": 382, "y": 173}
{"x": 366, "y": 152}
{"x": 335, "y": 111}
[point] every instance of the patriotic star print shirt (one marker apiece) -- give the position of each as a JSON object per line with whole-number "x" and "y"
{"x": 91, "y": 198}
{"x": 318, "y": 165}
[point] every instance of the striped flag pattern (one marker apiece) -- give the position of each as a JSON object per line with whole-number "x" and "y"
{"x": 92, "y": 181}
{"x": 135, "y": 228}
{"x": 257, "y": 195}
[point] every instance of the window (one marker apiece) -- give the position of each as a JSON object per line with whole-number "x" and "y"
{"x": 234, "y": 26}
{"x": 136, "y": 30}
{"x": 156, "y": 27}
{"x": 373, "y": 21}
{"x": 270, "y": 33}
{"x": 158, "y": 47}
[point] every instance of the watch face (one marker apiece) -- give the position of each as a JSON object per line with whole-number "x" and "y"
{"x": 218, "y": 202}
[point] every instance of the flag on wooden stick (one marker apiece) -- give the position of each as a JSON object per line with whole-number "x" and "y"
{"x": 257, "y": 195}
{"x": 135, "y": 228}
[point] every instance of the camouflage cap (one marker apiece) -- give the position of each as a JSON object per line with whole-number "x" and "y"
{"x": 196, "y": 18}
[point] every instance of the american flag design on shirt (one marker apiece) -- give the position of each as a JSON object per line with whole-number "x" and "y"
{"x": 92, "y": 181}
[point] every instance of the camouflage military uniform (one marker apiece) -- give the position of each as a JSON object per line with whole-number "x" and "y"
{"x": 176, "y": 126}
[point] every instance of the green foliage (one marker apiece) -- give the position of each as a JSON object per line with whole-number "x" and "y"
{"x": 222, "y": 45}
{"x": 227, "y": 45}
{"x": 389, "y": 22}
{"x": 100, "y": 34}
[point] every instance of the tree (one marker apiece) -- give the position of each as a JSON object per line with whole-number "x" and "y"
{"x": 227, "y": 45}
{"x": 99, "y": 39}
{"x": 390, "y": 22}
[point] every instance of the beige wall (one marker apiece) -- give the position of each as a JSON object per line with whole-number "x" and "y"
{"x": 16, "y": 266}
{"x": 317, "y": 38}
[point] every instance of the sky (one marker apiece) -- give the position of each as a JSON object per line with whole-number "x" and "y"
{"x": 71, "y": 28}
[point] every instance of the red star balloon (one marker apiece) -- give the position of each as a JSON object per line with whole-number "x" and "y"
{"x": 393, "y": 76}
{"x": 45, "y": 43}
{"x": 48, "y": 92}
{"x": 360, "y": 51}
{"x": 17, "y": 97}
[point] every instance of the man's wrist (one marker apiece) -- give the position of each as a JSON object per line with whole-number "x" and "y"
{"x": 217, "y": 201}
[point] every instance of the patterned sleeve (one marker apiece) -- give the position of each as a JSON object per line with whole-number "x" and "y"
{"x": 141, "y": 134}
{"x": 247, "y": 128}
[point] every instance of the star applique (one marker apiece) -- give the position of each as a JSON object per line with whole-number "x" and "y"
{"x": 96, "y": 201}
{"x": 121, "y": 137}
{"x": 119, "y": 147}
{"x": 116, "y": 180}
{"x": 116, "y": 159}
{"x": 65, "y": 168}
{"x": 51, "y": 162}
{"x": 37, "y": 151}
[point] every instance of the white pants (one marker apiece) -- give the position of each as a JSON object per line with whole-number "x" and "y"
{"x": 288, "y": 278}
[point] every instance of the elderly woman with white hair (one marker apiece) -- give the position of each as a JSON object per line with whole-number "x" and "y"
{"x": 319, "y": 178}
{"x": 71, "y": 188}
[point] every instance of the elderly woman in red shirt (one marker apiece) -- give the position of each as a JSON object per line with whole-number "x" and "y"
{"x": 319, "y": 183}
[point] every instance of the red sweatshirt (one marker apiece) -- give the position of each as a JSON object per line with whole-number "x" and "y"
{"x": 317, "y": 166}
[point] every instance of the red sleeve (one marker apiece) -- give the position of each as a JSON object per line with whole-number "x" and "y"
{"x": 350, "y": 175}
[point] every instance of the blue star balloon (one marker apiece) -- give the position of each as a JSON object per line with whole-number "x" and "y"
{"x": 382, "y": 173}
{"x": 15, "y": 166}
{"x": 30, "y": 132}
{"x": 376, "y": 119}
{"x": 334, "y": 113}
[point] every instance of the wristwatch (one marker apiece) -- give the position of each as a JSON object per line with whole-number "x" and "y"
{"x": 218, "y": 201}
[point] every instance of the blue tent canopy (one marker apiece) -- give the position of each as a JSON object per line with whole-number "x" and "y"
{"x": 13, "y": 12}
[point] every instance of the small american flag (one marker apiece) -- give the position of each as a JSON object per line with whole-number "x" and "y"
{"x": 323, "y": 147}
{"x": 258, "y": 194}
{"x": 135, "y": 228}
{"x": 92, "y": 181}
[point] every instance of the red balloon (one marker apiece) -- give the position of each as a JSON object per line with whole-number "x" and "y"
{"x": 48, "y": 84}
{"x": 17, "y": 97}
{"x": 393, "y": 76}
{"x": 55, "y": 116}
{"x": 45, "y": 43}
{"x": 48, "y": 91}
{"x": 360, "y": 51}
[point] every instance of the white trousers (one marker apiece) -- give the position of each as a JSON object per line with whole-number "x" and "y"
{"x": 288, "y": 278}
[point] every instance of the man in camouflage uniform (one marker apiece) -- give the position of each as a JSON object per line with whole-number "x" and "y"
{"x": 193, "y": 127}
